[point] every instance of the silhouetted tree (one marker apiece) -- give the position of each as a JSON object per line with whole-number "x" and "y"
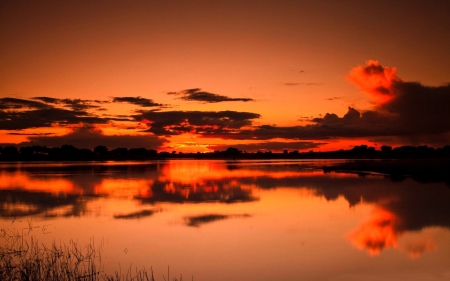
{"x": 101, "y": 150}
{"x": 232, "y": 152}
{"x": 26, "y": 151}
{"x": 164, "y": 154}
{"x": 10, "y": 152}
{"x": 68, "y": 149}
{"x": 386, "y": 149}
{"x": 120, "y": 151}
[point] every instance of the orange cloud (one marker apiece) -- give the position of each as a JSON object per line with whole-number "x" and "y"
{"x": 377, "y": 233}
{"x": 375, "y": 80}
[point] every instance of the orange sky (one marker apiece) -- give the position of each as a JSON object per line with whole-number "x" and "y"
{"x": 285, "y": 65}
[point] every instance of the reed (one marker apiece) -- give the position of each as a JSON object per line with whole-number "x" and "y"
{"x": 24, "y": 258}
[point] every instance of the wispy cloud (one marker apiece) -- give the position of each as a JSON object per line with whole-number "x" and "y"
{"x": 14, "y": 103}
{"x": 197, "y": 95}
{"x": 143, "y": 102}
{"x": 75, "y": 104}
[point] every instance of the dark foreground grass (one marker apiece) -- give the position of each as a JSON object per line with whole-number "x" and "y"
{"x": 24, "y": 258}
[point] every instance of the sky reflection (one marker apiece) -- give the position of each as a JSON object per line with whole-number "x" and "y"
{"x": 70, "y": 191}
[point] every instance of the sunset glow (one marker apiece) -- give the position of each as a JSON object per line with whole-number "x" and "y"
{"x": 255, "y": 75}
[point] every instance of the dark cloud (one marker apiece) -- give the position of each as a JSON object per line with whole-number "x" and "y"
{"x": 30, "y": 134}
{"x": 119, "y": 117}
{"x": 86, "y": 137}
{"x": 407, "y": 110}
{"x": 13, "y": 103}
{"x": 239, "y": 125}
{"x": 414, "y": 110}
{"x": 143, "y": 102}
{"x": 47, "y": 99}
{"x": 276, "y": 146}
{"x": 197, "y": 95}
{"x": 18, "y": 114}
{"x": 419, "y": 108}
{"x": 75, "y": 104}
{"x": 352, "y": 124}
{"x": 200, "y": 122}
{"x": 45, "y": 117}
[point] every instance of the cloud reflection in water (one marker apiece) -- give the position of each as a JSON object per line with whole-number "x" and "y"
{"x": 399, "y": 207}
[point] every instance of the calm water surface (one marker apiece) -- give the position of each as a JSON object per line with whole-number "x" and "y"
{"x": 238, "y": 220}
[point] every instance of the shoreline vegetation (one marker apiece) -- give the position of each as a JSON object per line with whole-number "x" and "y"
{"x": 22, "y": 257}
{"x": 69, "y": 152}
{"x": 422, "y": 162}
{"x": 422, "y": 170}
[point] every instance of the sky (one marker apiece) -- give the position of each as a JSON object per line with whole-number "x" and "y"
{"x": 199, "y": 76}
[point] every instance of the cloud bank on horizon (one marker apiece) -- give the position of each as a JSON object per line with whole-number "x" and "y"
{"x": 407, "y": 111}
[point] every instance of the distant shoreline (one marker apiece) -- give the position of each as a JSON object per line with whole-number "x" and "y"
{"x": 423, "y": 163}
{"x": 69, "y": 152}
{"x": 424, "y": 170}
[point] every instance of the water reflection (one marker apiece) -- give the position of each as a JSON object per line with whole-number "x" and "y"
{"x": 135, "y": 215}
{"x": 64, "y": 190}
{"x": 196, "y": 221}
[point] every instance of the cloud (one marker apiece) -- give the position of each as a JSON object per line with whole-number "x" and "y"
{"x": 199, "y": 122}
{"x": 239, "y": 125}
{"x": 30, "y": 134}
{"x": 413, "y": 109}
{"x": 13, "y": 103}
{"x": 197, "y": 95}
{"x": 420, "y": 109}
{"x": 352, "y": 124}
{"x": 408, "y": 110}
{"x": 75, "y": 104}
{"x": 18, "y": 114}
{"x": 276, "y": 146}
{"x": 88, "y": 137}
{"x": 375, "y": 80}
{"x": 45, "y": 117}
{"x": 143, "y": 102}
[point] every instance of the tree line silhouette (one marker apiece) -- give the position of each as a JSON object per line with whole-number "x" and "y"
{"x": 69, "y": 152}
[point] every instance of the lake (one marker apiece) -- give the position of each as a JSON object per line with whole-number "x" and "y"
{"x": 234, "y": 220}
